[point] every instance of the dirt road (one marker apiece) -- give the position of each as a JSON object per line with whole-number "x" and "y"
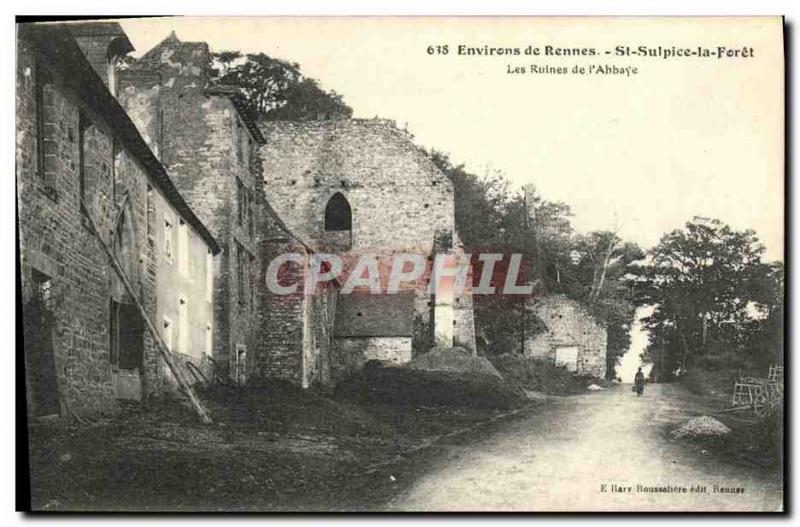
{"x": 560, "y": 458}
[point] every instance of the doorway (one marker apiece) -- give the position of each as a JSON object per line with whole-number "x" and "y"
{"x": 241, "y": 365}
{"x": 38, "y": 325}
{"x": 126, "y": 349}
{"x": 126, "y": 325}
{"x": 567, "y": 356}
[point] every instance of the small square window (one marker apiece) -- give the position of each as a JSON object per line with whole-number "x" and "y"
{"x": 166, "y": 333}
{"x": 168, "y": 233}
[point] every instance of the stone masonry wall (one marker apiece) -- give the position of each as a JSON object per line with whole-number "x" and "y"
{"x": 569, "y": 325}
{"x": 140, "y": 94}
{"x": 317, "y": 349}
{"x": 282, "y": 319}
{"x": 95, "y": 48}
{"x": 400, "y": 201}
{"x": 54, "y": 239}
{"x": 197, "y": 135}
{"x": 351, "y": 353}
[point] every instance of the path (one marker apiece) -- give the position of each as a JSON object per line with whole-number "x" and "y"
{"x": 559, "y": 458}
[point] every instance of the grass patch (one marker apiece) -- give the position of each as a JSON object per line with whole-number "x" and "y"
{"x": 406, "y": 387}
{"x": 272, "y": 446}
{"x": 754, "y": 442}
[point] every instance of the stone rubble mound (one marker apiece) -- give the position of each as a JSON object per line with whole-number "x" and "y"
{"x": 701, "y": 427}
{"x": 454, "y": 360}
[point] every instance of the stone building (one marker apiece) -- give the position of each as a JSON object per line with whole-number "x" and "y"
{"x": 174, "y": 170}
{"x": 573, "y": 338}
{"x": 372, "y": 326}
{"x": 85, "y": 342}
{"x": 209, "y": 144}
{"x": 294, "y": 332}
{"x": 357, "y": 187}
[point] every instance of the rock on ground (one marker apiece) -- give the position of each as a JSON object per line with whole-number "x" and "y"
{"x": 701, "y": 426}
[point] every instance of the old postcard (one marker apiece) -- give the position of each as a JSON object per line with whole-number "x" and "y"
{"x": 402, "y": 263}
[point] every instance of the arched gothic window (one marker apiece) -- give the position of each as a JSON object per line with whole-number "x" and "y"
{"x": 338, "y": 216}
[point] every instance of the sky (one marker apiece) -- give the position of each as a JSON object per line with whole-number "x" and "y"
{"x": 631, "y": 360}
{"x": 639, "y": 154}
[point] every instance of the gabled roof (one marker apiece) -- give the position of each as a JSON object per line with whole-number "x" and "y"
{"x": 62, "y": 53}
{"x": 152, "y": 60}
{"x": 155, "y": 52}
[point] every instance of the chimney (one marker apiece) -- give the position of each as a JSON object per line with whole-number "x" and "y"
{"x": 529, "y": 197}
{"x": 104, "y": 44}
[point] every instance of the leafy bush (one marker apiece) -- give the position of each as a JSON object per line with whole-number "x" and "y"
{"x": 542, "y": 375}
{"x": 713, "y": 381}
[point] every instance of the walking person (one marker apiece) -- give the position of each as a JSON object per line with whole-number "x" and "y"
{"x": 638, "y": 382}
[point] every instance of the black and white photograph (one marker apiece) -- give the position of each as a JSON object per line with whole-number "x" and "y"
{"x": 400, "y": 263}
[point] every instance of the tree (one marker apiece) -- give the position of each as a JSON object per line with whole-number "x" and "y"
{"x": 479, "y": 202}
{"x": 276, "y": 89}
{"x": 590, "y": 269}
{"x": 713, "y": 296}
{"x": 603, "y": 263}
{"x": 489, "y": 219}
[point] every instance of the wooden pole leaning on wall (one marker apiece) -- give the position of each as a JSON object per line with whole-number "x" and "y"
{"x": 166, "y": 354}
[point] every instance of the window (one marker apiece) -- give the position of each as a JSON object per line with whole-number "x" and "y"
{"x": 246, "y": 205}
{"x": 240, "y": 200}
{"x": 83, "y": 126}
{"x": 183, "y": 326}
{"x": 166, "y": 333}
{"x": 168, "y": 239}
{"x": 209, "y": 339}
{"x": 41, "y": 285}
{"x": 43, "y": 85}
{"x": 209, "y": 275}
{"x": 113, "y": 333}
{"x": 238, "y": 141}
{"x": 112, "y": 74}
{"x": 183, "y": 248}
{"x": 567, "y": 356}
{"x": 252, "y": 285}
{"x": 250, "y": 217}
{"x": 151, "y": 215}
{"x": 240, "y": 272}
{"x": 338, "y": 216}
{"x": 245, "y": 150}
{"x": 244, "y": 261}
{"x": 115, "y": 172}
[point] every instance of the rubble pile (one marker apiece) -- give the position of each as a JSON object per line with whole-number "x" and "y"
{"x": 701, "y": 427}
{"x": 455, "y": 359}
{"x": 468, "y": 386}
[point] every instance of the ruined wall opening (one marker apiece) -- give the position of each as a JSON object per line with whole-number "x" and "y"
{"x": 38, "y": 326}
{"x": 126, "y": 325}
{"x": 338, "y": 224}
{"x": 338, "y": 215}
